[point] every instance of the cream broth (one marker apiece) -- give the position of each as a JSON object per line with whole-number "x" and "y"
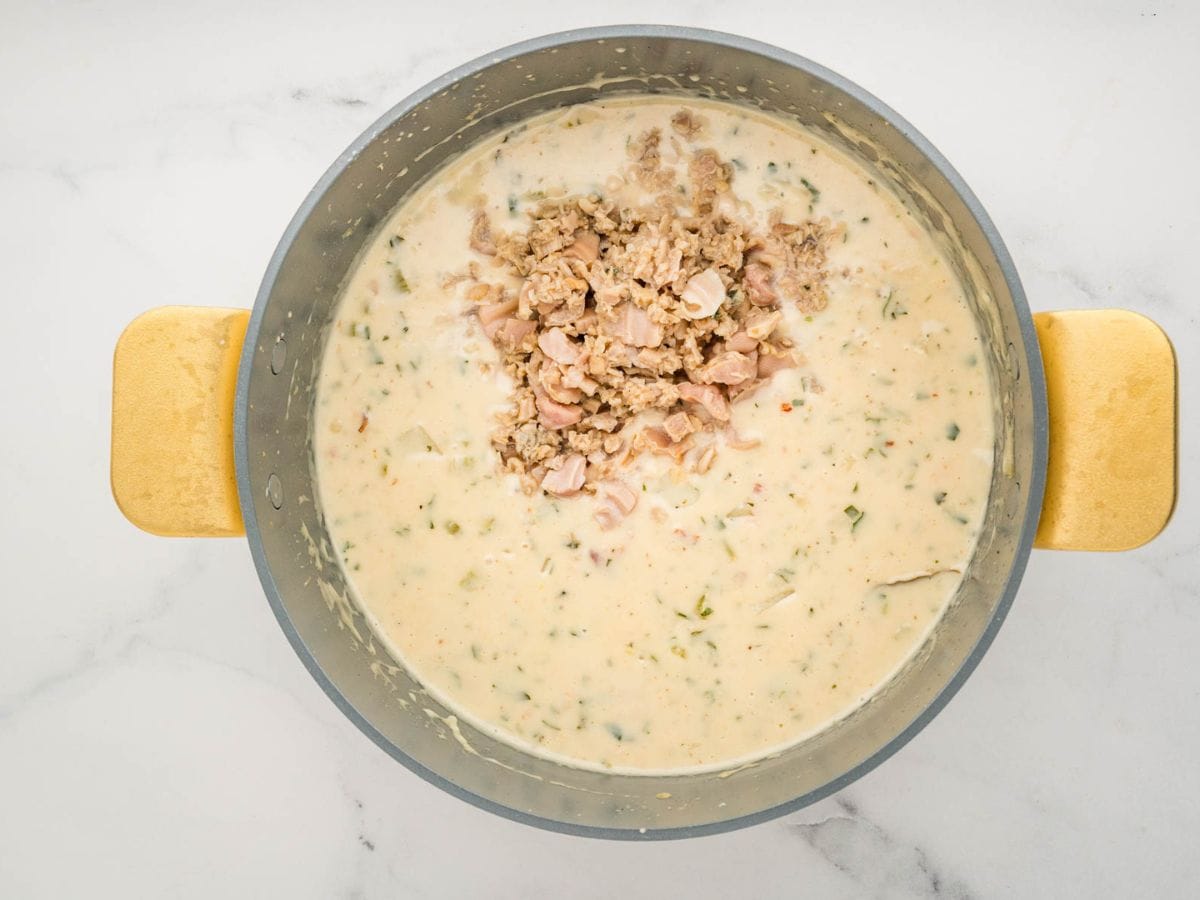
{"x": 731, "y": 613}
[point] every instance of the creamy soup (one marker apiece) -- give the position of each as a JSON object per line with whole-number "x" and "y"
{"x": 656, "y": 593}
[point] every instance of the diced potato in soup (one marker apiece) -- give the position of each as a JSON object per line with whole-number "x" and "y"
{"x": 653, "y": 435}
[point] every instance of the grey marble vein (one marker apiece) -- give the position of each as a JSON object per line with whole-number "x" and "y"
{"x": 878, "y": 863}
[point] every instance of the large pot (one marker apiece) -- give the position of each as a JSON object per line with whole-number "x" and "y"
{"x": 203, "y": 445}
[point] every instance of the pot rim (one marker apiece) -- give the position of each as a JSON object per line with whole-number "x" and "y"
{"x": 1032, "y": 370}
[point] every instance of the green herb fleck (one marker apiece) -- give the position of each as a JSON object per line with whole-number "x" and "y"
{"x": 887, "y": 303}
{"x": 854, "y": 514}
{"x": 703, "y": 610}
{"x": 808, "y": 186}
{"x": 400, "y": 281}
{"x": 615, "y": 731}
{"x": 453, "y": 527}
{"x": 952, "y": 431}
{"x": 939, "y": 498}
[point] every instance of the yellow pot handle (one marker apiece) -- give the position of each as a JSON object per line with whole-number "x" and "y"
{"x": 174, "y": 380}
{"x": 1112, "y": 390}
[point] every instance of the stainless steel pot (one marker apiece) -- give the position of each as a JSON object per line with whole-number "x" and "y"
{"x": 190, "y": 441}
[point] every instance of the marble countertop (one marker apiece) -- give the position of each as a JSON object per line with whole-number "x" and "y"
{"x": 157, "y": 734}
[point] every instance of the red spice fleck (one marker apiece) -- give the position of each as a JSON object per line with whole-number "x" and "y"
{"x": 889, "y": 443}
{"x": 786, "y": 407}
{"x": 362, "y": 426}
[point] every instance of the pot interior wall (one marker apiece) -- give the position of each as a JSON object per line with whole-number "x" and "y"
{"x": 300, "y": 570}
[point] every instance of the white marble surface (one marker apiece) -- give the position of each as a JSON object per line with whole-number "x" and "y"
{"x": 158, "y": 737}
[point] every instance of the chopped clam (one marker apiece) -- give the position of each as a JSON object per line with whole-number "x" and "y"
{"x": 703, "y": 294}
